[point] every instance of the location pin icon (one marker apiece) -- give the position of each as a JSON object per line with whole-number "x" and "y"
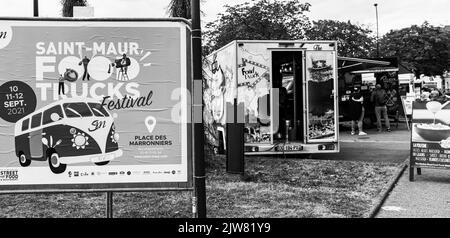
{"x": 150, "y": 122}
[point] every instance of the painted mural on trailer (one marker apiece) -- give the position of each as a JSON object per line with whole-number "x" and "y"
{"x": 321, "y": 108}
{"x": 92, "y": 103}
{"x": 254, "y": 91}
{"x": 219, "y": 89}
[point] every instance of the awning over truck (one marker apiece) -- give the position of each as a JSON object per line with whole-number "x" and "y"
{"x": 376, "y": 70}
{"x": 354, "y": 64}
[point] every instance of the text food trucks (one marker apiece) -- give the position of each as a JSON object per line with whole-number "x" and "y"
{"x": 285, "y": 92}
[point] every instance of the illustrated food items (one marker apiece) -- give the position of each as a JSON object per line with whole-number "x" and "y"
{"x": 434, "y": 107}
{"x": 437, "y": 126}
{"x": 324, "y": 129}
{"x": 445, "y": 143}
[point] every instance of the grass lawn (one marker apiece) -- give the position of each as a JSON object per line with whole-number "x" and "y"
{"x": 272, "y": 187}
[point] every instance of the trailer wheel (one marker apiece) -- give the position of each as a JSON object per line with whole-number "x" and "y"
{"x": 102, "y": 163}
{"x": 23, "y": 161}
{"x": 54, "y": 163}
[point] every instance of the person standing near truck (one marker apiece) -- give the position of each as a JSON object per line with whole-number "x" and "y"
{"x": 379, "y": 98}
{"x": 357, "y": 111}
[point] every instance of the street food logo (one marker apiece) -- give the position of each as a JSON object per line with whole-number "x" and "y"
{"x": 65, "y": 63}
{"x": 9, "y": 175}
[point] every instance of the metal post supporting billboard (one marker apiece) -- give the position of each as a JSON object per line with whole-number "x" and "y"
{"x": 35, "y": 8}
{"x": 199, "y": 200}
{"x": 109, "y": 204}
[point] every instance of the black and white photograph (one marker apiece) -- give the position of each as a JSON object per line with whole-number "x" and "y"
{"x": 242, "y": 111}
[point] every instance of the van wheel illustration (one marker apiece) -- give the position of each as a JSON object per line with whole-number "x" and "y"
{"x": 24, "y": 162}
{"x": 54, "y": 163}
{"x": 102, "y": 163}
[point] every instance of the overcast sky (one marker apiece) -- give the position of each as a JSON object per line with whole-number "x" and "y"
{"x": 392, "y": 14}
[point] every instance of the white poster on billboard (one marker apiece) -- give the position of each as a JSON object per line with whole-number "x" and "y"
{"x": 99, "y": 102}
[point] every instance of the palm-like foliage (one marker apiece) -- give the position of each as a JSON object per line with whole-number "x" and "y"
{"x": 67, "y": 6}
{"x": 180, "y": 8}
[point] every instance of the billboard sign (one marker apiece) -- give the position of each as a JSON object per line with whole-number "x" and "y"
{"x": 95, "y": 104}
{"x": 430, "y": 139}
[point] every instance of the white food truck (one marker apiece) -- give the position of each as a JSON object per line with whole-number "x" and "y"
{"x": 285, "y": 92}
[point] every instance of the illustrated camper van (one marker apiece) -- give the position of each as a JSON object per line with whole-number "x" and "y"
{"x": 65, "y": 132}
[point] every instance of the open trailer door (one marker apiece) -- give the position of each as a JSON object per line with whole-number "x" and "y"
{"x": 287, "y": 76}
{"x": 321, "y": 107}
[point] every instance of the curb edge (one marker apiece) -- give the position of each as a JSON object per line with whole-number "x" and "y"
{"x": 385, "y": 193}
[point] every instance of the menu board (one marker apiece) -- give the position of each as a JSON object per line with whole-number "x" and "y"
{"x": 430, "y": 134}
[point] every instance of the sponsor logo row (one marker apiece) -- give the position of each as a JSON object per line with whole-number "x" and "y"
{"x": 119, "y": 173}
{"x": 13, "y": 174}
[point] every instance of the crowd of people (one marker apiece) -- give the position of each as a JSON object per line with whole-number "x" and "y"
{"x": 380, "y": 98}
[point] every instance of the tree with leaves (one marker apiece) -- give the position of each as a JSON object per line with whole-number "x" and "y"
{"x": 353, "y": 40}
{"x": 425, "y": 48}
{"x": 180, "y": 8}
{"x": 67, "y": 6}
{"x": 257, "y": 20}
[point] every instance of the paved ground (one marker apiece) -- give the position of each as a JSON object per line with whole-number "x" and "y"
{"x": 427, "y": 197}
{"x": 376, "y": 146}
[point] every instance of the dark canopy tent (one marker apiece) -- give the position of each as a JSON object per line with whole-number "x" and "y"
{"x": 350, "y": 71}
